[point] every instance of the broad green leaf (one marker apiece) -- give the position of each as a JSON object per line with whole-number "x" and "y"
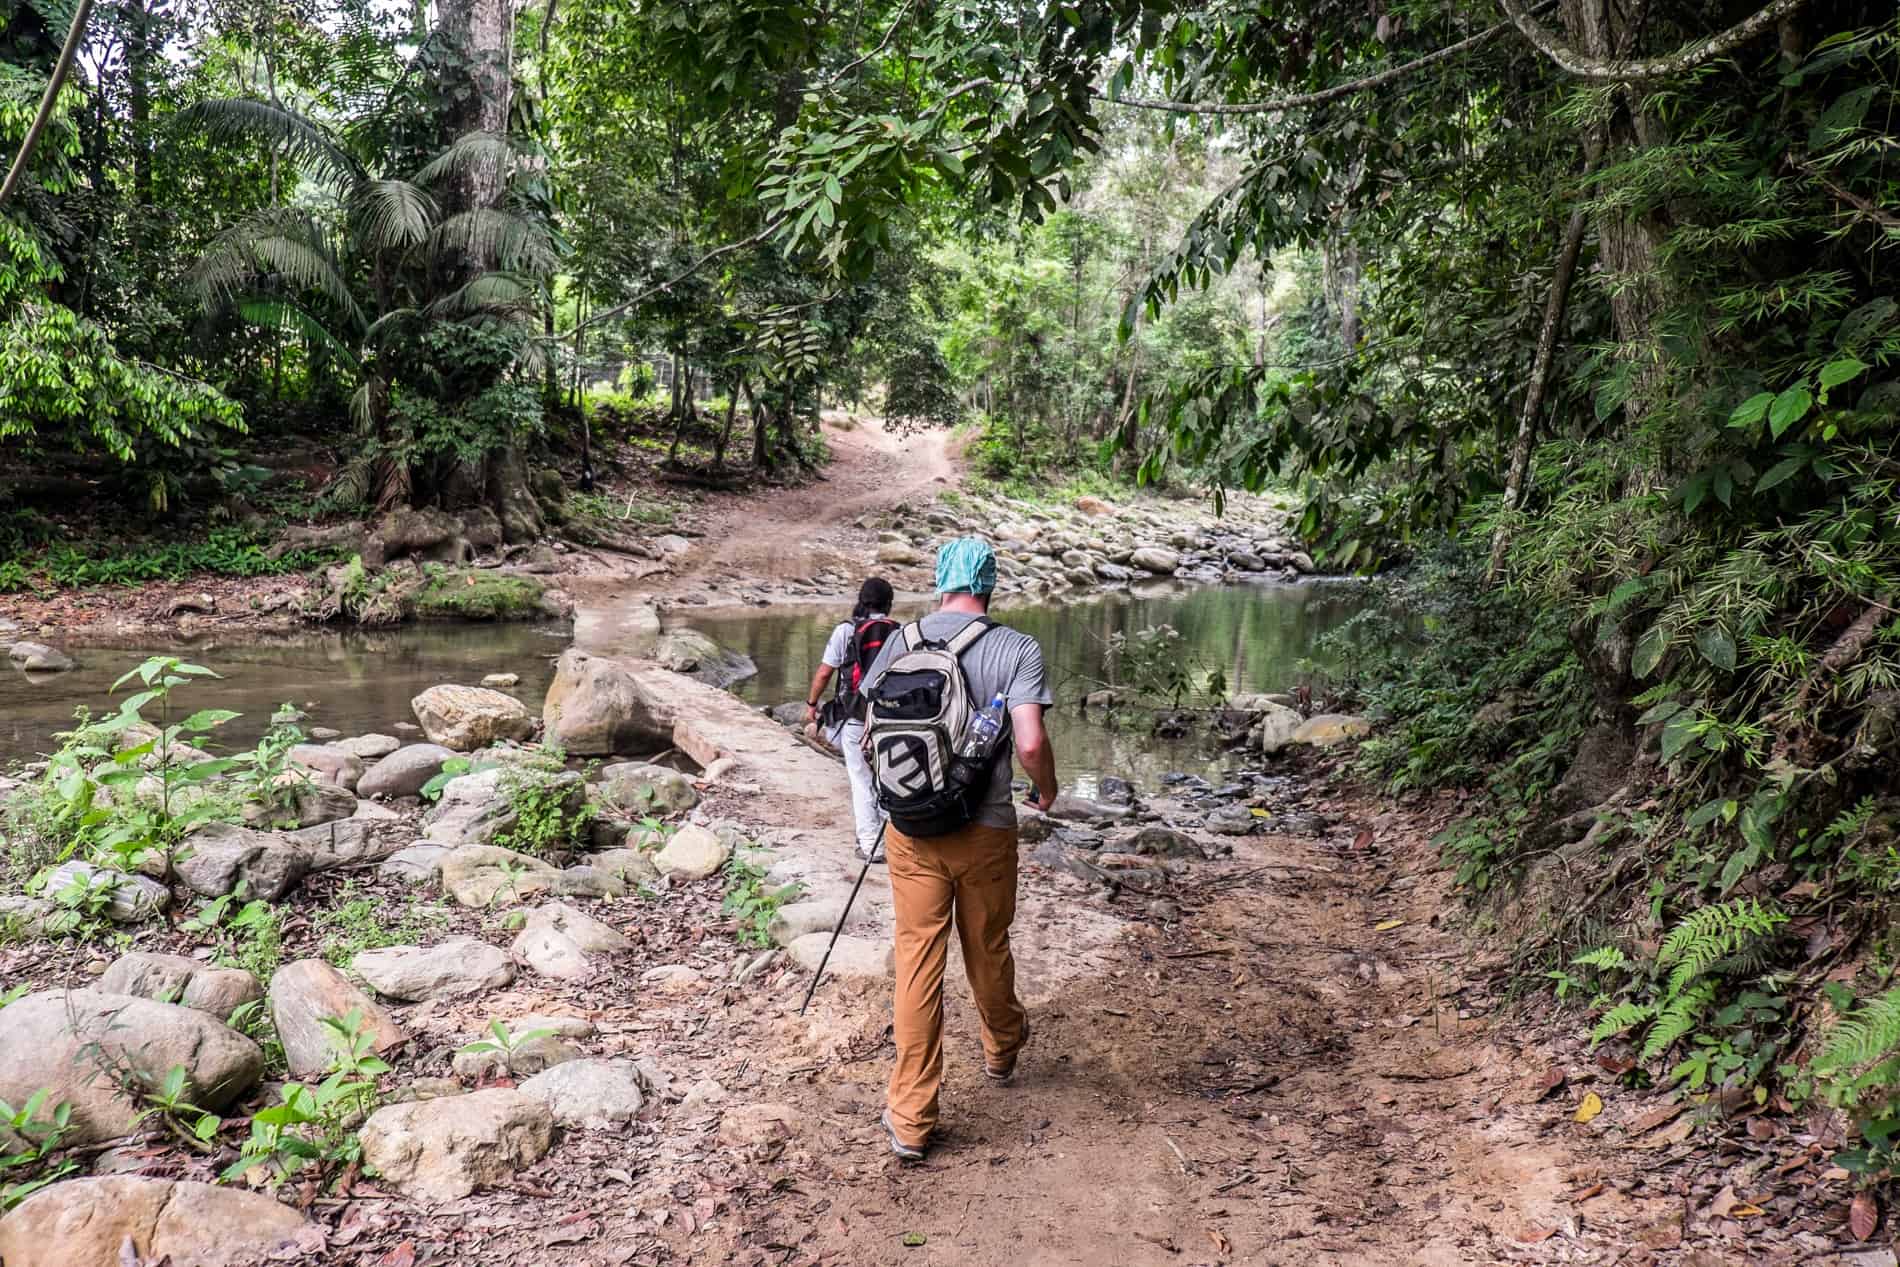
{"x": 1648, "y": 652}
{"x": 1660, "y": 712}
{"x": 1679, "y": 734}
{"x": 1780, "y": 473}
{"x": 1834, "y": 373}
{"x": 1789, "y": 408}
{"x": 1717, "y": 648}
{"x": 1752, "y": 410}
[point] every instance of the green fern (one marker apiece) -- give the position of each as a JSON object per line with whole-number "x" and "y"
{"x": 1867, "y": 1034}
{"x": 1679, "y": 1015}
{"x": 1710, "y": 934}
{"x": 1621, "y": 1017}
{"x": 1604, "y": 959}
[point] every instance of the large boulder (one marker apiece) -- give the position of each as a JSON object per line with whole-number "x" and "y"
{"x": 596, "y": 707}
{"x": 129, "y": 1218}
{"x": 460, "y": 966}
{"x": 371, "y": 747}
{"x": 1156, "y": 559}
{"x": 217, "y": 858}
{"x": 404, "y": 771}
{"x": 327, "y": 764}
{"x": 1278, "y": 726}
{"x": 80, "y": 1045}
{"x": 177, "y": 979}
{"x": 306, "y": 803}
{"x": 630, "y": 866}
{"x": 899, "y": 554}
{"x": 692, "y": 653}
{"x": 692, "y": 853}
{"x": 591, "y": 1094}
{"x": 469, "y": 717}
{"x": 1328, "y": 729}
{"x": 346, "y": 842}
{"x": 640, "y": 788}
{"x": 416, "y": 864}
{"x": 37, "y": 657}
{"x": 443, "y": 1150}
{"x": 482, "y": 875}
{"x": 1080, "y": 809}
{"x": 302, "y": 994}
{"x": 134, "y": 898}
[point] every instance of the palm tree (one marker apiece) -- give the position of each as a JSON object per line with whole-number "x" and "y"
{"x": 377, "y": 284}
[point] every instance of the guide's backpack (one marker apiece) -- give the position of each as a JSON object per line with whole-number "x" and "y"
{"x": 920, "y": 708}
{"x": 867, "y": 639}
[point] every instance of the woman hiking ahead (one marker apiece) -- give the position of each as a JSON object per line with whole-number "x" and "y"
{"x": 849, "y": 653}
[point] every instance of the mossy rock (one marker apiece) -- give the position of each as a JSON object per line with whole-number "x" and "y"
{"x": 477, "y": 595}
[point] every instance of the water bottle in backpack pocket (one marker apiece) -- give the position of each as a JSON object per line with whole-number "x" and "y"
{"x": 931, "y": 748}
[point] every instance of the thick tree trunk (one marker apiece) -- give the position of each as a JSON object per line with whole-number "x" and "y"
{"x": 477, "y": 88}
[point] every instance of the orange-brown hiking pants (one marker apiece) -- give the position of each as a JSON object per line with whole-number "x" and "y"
{"x": 968, "y": 877}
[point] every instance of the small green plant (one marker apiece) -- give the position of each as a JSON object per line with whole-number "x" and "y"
{"x": 252, "y": 939}
{"x": 1733, "y": 1044}
{"x": 29, "y": 1141}
{"x": 504, "y": 1042}
{"x": 453, "y": 768}
{"x": 750, "y": 903}
{"x": 266, "y": 777}
{"x": 547, "y": 816}
{"x": 317, "y": 1125}
{"x": 358, "y": 922}
{"x": 168, "y": 1103}
{"x": 1154, "y": 663}
{"x": 653, "y": 833}
{"x": 80, "y": 906}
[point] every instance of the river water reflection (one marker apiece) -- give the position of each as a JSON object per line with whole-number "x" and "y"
{"x": 1257, "y": 635}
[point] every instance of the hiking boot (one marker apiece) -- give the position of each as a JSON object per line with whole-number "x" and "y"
{"x": 904, "y": 1152}
{"x": 1007, "y": 1074}
{"x": 874, "y": 854}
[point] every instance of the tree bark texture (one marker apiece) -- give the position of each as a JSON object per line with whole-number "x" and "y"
{"x": 477, "y": 88}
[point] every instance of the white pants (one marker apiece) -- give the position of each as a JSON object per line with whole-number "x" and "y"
{"x": 849, "y": 738}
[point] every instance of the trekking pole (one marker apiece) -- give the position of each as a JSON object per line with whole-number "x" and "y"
{"x": 819, "y": 975}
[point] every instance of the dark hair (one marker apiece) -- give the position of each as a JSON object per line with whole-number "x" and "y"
{"x": 875, "y": 595}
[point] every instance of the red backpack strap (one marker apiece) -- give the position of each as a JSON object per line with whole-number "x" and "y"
{"x": 881, "y": 628}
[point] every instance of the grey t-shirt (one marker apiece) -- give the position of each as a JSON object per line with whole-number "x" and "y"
{"x": 1004, "y": 662}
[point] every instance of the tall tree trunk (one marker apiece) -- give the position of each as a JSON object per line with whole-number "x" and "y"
{"x": 477, "y": 89}
{"x": 1555, "y": 306}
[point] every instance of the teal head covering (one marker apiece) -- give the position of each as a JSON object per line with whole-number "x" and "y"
{"x": 966, "y": 566}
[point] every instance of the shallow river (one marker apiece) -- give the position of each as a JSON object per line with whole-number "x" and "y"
{"x": 1257, "y": 635}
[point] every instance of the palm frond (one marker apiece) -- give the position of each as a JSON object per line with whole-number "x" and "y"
{"x": 391, "y": 322}
{"x": 275, "y": 247}
{"x": 472, "y": 151}
{"x": 492, "y": 293}
{"x": 280, "y": 314}
{"x": 303, "y": 142}
{"x": 499, "y": 239}
{"x": 391, "y": 213}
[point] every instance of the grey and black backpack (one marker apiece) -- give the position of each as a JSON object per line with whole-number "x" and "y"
{"x": 920, "y": 708}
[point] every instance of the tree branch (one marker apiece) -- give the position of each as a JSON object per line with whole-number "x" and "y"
{"x": 1279, "y": 105}
{"x": 1574, "y": 62}
{"x": 61, "y": 69}
{"x": 1885, "y": 219}
{"x": 607, "y": 314}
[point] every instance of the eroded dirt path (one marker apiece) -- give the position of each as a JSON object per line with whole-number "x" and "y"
{"x": 1274, "y": 1079}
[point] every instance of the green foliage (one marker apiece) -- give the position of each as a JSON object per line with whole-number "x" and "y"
{"x": 250, "y": 937}
{"x": 315, "y": 1126}
{"x": 448, "y": 594}
{"x": 1730, "y": 1037}
{"x": 504, "y": 1042}
{"x": 29, "y": 1145}
{"x": 750, "y": 903}
{"x": 551, "y": 812}
{"x": 227, "y": 551}
{"x": 1152, "y": 663}
{"x": 355, "y": 921}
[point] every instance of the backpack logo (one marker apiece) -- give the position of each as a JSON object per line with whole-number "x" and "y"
{"x": 920, "y": 707}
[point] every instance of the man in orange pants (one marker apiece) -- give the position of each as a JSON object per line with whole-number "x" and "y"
{"x": 967, "y": 877}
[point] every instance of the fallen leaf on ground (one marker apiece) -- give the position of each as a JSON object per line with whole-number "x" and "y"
{"x": 1535, "y": 1235}
{"x": 1386, "y": 925}
{"x": 1550, "y": 1080}
{"x": 404, "y": 1255}
{"x": 1594, "y": 1190}
{"x": 1724, "y": 1202}
{"x": 1656, "y": 1117}
{"x": 1221, "y": 1244}
{"x": 1363, "y": 839}
{"x": 914, "y": 1239}
{"x": 1591, "y": 1106}
{"x": 1863, "y": 1216}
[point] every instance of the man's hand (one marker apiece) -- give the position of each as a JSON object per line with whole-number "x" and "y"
{"x": 811, "y": 713}
{"x": 1040, "y": 800}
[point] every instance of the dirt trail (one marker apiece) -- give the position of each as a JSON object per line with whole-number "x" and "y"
{"x": 1275, "y": 1079}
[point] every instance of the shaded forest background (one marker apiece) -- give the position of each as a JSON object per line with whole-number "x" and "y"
{"x": 1577, "y": 320}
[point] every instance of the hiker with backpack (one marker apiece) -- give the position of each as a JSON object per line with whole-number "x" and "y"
{"x": 949, "y": 698}
{"x": 849, "y": 654}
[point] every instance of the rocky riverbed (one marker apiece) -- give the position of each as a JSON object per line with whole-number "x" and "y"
{"x": 400, "y": 899}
